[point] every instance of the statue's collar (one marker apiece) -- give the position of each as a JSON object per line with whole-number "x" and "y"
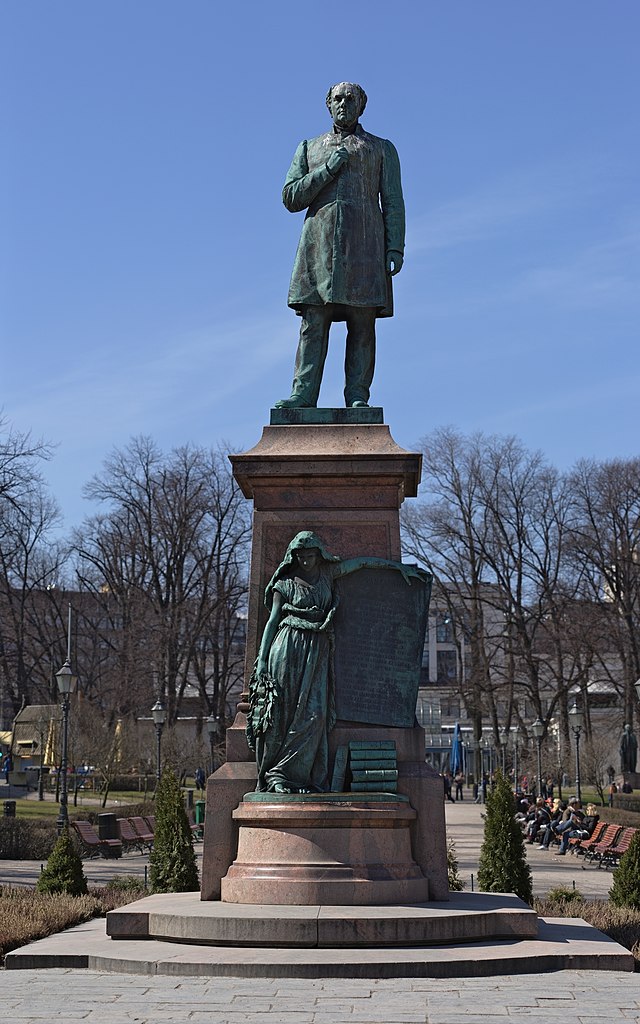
{"x": 356, "y": 130}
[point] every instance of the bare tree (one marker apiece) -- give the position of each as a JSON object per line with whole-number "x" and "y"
{"x": 605, "y": 547}
{"x": 30, "y": 562}
{"x": 493, "y": 531}
{"x": 167, "y": 560}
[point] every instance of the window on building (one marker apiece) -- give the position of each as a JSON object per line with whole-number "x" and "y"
{"x": 424, "y": 669}
{"x": 450, "y": 708}
{"x": 447, "y": 667}
{"x": 444, "y": 628}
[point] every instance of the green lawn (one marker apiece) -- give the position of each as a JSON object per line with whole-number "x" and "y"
{"x": 41, "y": 809}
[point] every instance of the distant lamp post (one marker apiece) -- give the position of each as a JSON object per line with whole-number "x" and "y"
{"x": 159, "y": 717}
{"x": 538, "y": 731}
{"x": 504, "y": 739}
{"x": 212, "y": 729}
{"x": 42, "y": 724}
{"x": 516, "y": 737}
{"x": 66, "y": 685}
{"x": 576, "y": 720}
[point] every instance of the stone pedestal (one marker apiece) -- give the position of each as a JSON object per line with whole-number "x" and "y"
{"x": 340, "y": 474}
{"x": 345, "y": 482}
{"x": 324, "y": 850}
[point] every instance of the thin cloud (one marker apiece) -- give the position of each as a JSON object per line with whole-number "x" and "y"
{"x": 506, "y": 202}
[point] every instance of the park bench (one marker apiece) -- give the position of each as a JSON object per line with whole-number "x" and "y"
{"x": 129, "y": 836}
{"x": 612, "y": 854}
{"x": 580, "y": 846}
{"x": 91, "y": 843}
{"x": 140, "y": 826}
{"x": 596, "y": 850}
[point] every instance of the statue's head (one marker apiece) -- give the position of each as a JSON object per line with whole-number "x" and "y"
{"x": 346, "y": 102}
{"x": 305, "y": 550}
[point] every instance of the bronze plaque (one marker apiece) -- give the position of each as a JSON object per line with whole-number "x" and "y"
{"x": 380, "y": 627}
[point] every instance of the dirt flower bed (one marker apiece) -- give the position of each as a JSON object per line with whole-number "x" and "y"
{"x": 27, "y": 915}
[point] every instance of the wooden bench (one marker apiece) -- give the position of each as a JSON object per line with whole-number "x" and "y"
{"x": 91, "y": 843}
{"x": 580, "y": 846}
{"x": 129, "y": 836}
{"x": 612, "y": 854}
{"x": 596, "y": 850}
{"x": 140, "y": 826}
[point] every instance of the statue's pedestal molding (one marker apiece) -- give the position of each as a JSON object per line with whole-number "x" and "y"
{"x": 332, "y": 849}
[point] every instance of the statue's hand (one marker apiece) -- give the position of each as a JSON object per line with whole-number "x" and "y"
{"x": 394, "y": 262}
{"x": 337, "y": 160}
{"x": 262, "y": 667}
{"x": 410, "y": 572}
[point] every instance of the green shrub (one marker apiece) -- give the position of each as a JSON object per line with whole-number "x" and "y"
{"x": 25, "y": 839}
{"x": 125, "y": 883}
{"x": 172, "y": 860}
{"x": 503, "y": 864}
{"x": 625, "y": 891}
{"x": 564, "y": 896}
{"x": 455, "y": 882}
{"x": 63, "y": 872}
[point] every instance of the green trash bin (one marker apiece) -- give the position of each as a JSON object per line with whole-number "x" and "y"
{"x": 200, "y": 810}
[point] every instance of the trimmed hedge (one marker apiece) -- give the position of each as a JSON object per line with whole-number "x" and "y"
{"x": 34, "y": 839}
{"x": 24, "y": 839}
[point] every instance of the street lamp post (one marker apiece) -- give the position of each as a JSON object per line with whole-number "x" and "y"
{"x": 538, "y": 731}
{"x": 159, "y": 716}
{"x": 504, "y": 739}
{"x": 66, "y": 685}
{"x": 212, "y": 729}
{"x": 516, "y": 737}
{"x": 576, "y": 718}
{"x": 41, "y": 728}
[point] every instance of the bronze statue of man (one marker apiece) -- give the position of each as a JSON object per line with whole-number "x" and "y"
{"x": 352, "y": 243}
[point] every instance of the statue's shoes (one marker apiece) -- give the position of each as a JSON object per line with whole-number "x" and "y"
{"x": 358, "y": 404}
{"x": 293, "y": 403}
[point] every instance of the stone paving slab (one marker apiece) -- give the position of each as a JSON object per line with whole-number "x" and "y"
{"x": 61, "y": 996}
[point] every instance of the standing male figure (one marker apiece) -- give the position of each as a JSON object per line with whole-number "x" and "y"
{"x": 352, "y": 243}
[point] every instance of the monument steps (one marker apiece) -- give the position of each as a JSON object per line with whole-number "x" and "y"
{"x": 182, "y": 917}
{"x": 561, "y": 944}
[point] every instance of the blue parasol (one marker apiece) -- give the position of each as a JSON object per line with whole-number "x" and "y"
{"x": 456, "y": 758}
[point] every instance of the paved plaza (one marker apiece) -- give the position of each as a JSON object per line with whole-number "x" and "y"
{"x": 62, "y": 995}
{"x": 565, "y": 997}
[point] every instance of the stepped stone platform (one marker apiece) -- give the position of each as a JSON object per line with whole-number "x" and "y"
{"x": 184, "y": 918}
{"x": 474, "y": 935}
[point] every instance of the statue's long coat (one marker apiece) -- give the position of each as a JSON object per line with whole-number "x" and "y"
{"x": 354, "y": 218}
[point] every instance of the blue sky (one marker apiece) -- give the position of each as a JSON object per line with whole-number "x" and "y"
{"x": 145, "y": 253}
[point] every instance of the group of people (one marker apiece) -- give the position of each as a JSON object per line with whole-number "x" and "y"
{"x": 456, "y": 783}
{"x": 545, "y": 822}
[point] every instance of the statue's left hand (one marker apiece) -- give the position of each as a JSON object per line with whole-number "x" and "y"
{"x": 394, "y": 262}
{"x": 410, "y": 572}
